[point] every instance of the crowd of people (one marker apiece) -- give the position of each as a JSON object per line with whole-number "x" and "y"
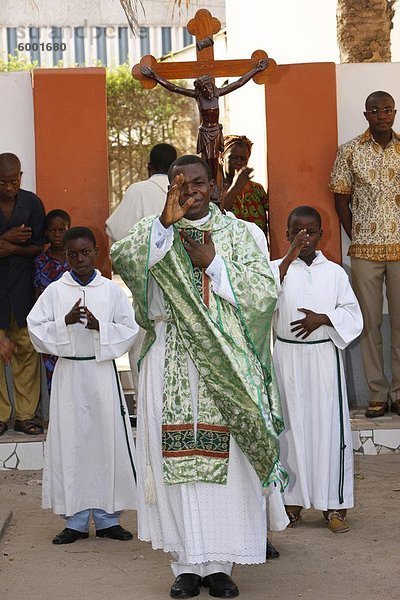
{"x": 229, "y": 430}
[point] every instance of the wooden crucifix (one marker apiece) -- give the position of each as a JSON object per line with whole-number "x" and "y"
{"x": 204, "y": 70}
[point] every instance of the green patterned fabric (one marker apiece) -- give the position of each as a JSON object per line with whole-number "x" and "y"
{"x": 230, "y": 347}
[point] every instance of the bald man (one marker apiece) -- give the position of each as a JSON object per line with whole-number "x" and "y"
{"x": 366, "y": 183}
{"x": 21, "y": 239}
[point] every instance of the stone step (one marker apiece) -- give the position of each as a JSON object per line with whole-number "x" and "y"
{"x": 369, "y": 436}
{"x": 375, "y": 436}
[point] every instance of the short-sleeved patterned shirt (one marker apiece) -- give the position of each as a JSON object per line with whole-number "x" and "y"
{"x": 252, "y": 205}
{"x": 47, "y": 269}
{"x": 371, "y": 175}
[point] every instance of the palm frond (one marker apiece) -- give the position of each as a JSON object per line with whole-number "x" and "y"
{"x": 131, "y": 8}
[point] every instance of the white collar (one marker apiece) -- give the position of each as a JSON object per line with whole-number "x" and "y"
{"x": 198, "y": 222}
{"x": 319, "y": 258}
{"x": 69, "y": 280}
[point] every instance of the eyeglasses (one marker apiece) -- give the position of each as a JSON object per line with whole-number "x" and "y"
{"x": 74, "y": 255}
{"x": 377, "y": 111}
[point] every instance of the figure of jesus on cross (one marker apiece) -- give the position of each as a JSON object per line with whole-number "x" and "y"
{"x": 204, "y": 71}
{"x": 210, "y": 141}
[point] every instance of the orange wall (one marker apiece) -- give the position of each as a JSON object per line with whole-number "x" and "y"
{"x": 71, "y": 147}
{"x": 302, "y": 142}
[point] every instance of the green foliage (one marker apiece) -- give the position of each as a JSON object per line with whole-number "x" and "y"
{"x": 17, "y": 63}
{"x": 144, "y": 117}
{"x": 139, "y": 118}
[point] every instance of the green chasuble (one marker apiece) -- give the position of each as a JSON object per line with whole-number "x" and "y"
{"x": 230, "y": 347}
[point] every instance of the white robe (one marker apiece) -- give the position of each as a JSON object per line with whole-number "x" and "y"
{"x": 197, "y": 522}
{"x": 87, "y": 463}
{"x": 277, "y": 517}
{"x": 140, "y": 200}
{"x": 308, "y": 383}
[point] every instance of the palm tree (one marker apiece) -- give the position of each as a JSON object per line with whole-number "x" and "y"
{"x": 363, "y": 27}
{"x": 363, "y": 30}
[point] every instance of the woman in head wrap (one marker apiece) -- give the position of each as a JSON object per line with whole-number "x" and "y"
{"x": 245, "y": 198}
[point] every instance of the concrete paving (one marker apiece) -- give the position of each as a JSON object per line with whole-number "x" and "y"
{"x": 314, "y": 564}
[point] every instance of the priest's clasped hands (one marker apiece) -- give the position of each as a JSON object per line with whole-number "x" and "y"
{"x": 201, "y": 255}
{"x": 78, "y": 313}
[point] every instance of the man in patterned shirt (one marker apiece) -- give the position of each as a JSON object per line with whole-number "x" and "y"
{"x": 366, "y": 183}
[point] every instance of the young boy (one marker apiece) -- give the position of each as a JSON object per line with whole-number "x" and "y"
{"x": 52, "y": 262}
{"x": 316, "y": 316}
{"x": 87, "y": 321}
{"x": 50, "y": 265}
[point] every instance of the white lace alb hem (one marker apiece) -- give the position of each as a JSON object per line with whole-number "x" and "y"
{"x": 193, "y": 559}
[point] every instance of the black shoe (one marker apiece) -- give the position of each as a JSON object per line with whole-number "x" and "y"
{"x": 116, "y": 532}
{"x": 220, "y": 585}
{"x": 69, "y": 536}
{"x": 272, "y": 552}
{"x": 186, "y": 585}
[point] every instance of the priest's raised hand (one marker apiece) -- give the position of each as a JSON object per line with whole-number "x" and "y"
{"x": 173, "y": 211}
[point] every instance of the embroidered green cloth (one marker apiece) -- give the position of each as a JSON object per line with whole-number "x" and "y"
{"x": 230, "y": 347}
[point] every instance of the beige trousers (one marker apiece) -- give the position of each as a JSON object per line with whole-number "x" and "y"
{"x": 367, "y": 279}
{"x": 25, "y": 367}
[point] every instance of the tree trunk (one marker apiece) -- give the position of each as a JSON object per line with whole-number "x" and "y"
{"x": 363, "y": 30}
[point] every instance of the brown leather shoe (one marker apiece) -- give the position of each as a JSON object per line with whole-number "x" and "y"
{"x": 337, "y": 522}
{"x": 376, "y": 409}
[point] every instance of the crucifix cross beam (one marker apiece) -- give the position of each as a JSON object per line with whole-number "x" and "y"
{"x": 203, "y": 27}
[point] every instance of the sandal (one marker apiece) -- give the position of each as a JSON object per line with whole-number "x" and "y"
{"x": 293, "y": 519}
{"x": 3, "y": 427}
{"x": 395, "y": 407}
{"x": 28, "y": 427}
{"x": 293, "y": 514}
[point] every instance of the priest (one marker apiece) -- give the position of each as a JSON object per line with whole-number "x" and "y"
{"x": 209, "y": 413}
